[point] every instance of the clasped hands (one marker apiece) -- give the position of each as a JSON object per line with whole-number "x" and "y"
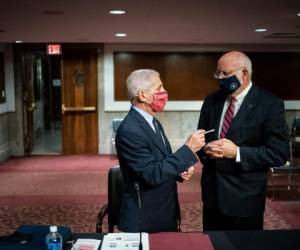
{"x": 222, "y": 148}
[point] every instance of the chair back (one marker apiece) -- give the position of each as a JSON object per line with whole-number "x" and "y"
{"x": 115, "y": 193}
{"x": 116, "y": 123}
{"x": 295, "y": 138}
{"x": 296, "y": 126}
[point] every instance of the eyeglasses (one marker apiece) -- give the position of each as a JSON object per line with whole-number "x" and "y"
{"x": 217, "y": 74}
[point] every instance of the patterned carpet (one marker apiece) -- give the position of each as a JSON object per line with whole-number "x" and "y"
{"x": 82, "y": 218}
{"x": 72, "y": 196}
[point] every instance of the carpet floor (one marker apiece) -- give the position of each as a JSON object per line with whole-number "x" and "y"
{"x": 70, "y": 190}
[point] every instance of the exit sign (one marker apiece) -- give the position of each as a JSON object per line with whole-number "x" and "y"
{"x": 54, "y": 49}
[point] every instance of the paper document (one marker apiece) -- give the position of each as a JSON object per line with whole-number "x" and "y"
{"x": 86, "y": 244}
{"x": 125, "y": 241}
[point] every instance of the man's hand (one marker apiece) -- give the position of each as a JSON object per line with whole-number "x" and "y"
{"x": 187, "y": 175}
{"x": 214, "y": 149}
{"x": 196, "y": 140}
{"x": 222, "y": 148}
{"x": 230, "y": 149}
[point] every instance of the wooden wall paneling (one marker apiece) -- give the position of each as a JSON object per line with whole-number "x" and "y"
{"x": 278, "y": 73}
{"x": 188, "y": 75}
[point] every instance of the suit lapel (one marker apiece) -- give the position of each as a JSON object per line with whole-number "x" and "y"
{"x": 245, "y": 110}
{"x": 148, "y": 130}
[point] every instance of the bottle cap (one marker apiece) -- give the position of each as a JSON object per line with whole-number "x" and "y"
{"x": 53, "y": 229}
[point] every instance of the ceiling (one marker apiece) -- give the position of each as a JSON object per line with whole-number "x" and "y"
{"x": 151, "y": 21}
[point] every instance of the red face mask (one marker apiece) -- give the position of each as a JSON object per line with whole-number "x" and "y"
{"x": 159, "y": 101}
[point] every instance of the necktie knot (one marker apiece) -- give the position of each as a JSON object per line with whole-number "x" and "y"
{"x": 233, "y": 99}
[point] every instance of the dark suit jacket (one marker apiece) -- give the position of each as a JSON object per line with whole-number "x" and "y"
{"x": 144, "y": 158}
{"x": 260, "y": 130}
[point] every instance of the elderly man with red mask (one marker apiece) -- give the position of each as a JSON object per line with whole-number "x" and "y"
{"x": 146, "y": 158}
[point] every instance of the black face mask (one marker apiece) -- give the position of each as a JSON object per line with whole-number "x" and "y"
{"x": 229, "y": 84}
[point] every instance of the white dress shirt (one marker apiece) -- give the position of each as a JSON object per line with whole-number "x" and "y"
{"x": 239, "y": 100}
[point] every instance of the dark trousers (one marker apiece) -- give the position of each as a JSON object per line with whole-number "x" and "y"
{"x": 215, "y": 220}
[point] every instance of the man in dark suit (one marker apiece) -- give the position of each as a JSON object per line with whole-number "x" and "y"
{"x": 146, "y": 159}
{"x": 250, "y": 136}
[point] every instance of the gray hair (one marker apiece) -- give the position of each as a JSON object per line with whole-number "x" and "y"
{"x": 139, "y": 80}
{"x": 248, "y": 64}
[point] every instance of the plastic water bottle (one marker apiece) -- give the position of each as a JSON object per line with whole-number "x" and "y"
{"x": 54, "y": 239}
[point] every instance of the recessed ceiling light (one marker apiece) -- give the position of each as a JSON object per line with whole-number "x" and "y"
{"x": 120, "y": 34}
{"x": 261, "y": 30}
{"x": 298, "y": 14}
{"x": 117, "y": 12}
{"x": 19, "y": 41}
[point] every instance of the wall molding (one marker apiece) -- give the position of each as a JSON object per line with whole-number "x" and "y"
{"x": 292, "y": 105}
{"x": 110, "y": 105}
{"x": 9, "y": 105}
{"x": 4, "y": 151}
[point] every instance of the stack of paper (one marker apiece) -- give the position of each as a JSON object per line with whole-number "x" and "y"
{"x": 125, "y": 241}
{"x": 86, "y": 244}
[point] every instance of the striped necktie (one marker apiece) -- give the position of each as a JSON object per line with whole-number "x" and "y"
{"x": 229, "y": 115}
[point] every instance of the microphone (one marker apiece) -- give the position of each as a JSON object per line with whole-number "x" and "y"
{"x": 137, "y": 187}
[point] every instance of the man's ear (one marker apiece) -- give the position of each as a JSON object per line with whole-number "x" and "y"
{"x": 245, "y": 75}
{"x": 141, "y": 96}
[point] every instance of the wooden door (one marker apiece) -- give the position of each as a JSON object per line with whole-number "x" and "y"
{"x": 79, "y": 101}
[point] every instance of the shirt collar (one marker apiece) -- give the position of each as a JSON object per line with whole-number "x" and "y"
{"x": 240, "y": 97}
{"x": 147, "y": 116}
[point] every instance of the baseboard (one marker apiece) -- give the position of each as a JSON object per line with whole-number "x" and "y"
{"x": 4, "y": 152}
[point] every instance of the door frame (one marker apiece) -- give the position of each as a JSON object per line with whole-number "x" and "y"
{"x": 20, "y": 51}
